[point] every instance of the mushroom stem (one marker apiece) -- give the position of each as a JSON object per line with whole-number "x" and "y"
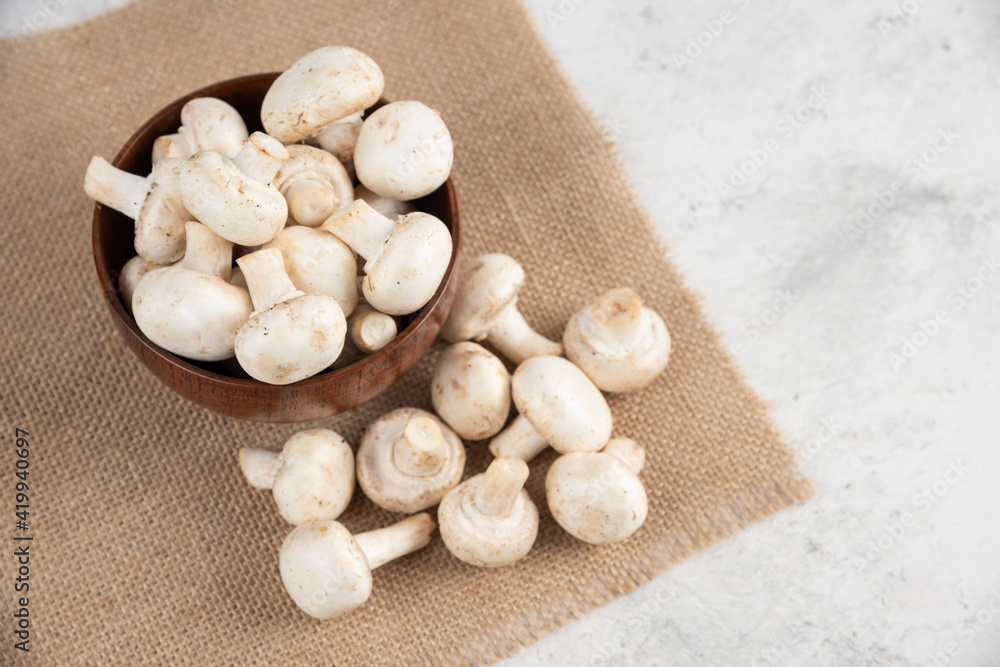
{"x": 259, "y": 466}
{"x": 169, "y": 146}
{"x": 362, "y": 228}
{"x": 627, "y": 451}
{"x": 260, "y": 157}
{"x": 386, "y": 544}
{"x": 266, "y": 278}
{"x": 516, "y": 340}
{"x": 519, "y": 440}
{"x": 206, "y": 251}
{"x": 420, "y": 452}
{"x": 340, "y": 136}
{"x": 618, "y": 318}
{"x": 115, "y": 188}
{"x": 309, "y": 202}
{"x": 501, "y": 485}
{"x": 371, "y": 330}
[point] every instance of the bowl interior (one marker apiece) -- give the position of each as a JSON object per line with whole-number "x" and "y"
{"x": 113, "y": 234}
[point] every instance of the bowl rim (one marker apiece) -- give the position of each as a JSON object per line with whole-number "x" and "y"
{"x": 111, "y": 290}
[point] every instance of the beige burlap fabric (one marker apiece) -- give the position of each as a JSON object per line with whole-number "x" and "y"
{"x": 149, "y": 546}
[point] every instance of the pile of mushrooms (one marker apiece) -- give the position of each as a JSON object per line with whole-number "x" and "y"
{"x": 283, "y": 204}
{"x": 323, "y": 267}
{"x": 410, "y": 460}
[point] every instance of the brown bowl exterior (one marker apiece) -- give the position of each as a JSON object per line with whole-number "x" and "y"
{"x": 208, "y": 385}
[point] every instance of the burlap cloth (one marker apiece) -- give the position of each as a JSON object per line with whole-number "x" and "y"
{"x": 150, "y": 548}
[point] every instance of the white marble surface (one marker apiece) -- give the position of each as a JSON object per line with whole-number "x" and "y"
{"x": 897, "y": 561}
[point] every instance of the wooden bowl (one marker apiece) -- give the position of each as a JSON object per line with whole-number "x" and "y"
{"x": 211, "y": 384}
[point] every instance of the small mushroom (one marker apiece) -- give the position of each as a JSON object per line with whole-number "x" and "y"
{"x": 290, "y": 335}
{"x": 319, "y": 263}
{"x": 390, "y": 208}
{"x": 597, "y": 497}
{"x": 312, "y": 478}
{"x": 324, "y": 86}
{"x": 485, "y": 307}
{"x": 620, "y": 344}
{"x": 207, "y": 124}
{"x": 470, "y": 390}
{"x": 490, "y": 520}
{"x": 235, "y": 197}
{"x": 408, "y": 460}
{"x": 154, "y": 203}
{"x": 404, "y": 151}
{"x": 189, "y": 308}
{"x": 314, "y": 183}
{"x": 406, "y": 259}
{"x": 131, "y": 274}
{"x": 558, "y": 406}
{"x": 340, "y": 136}
{"x": 370, "y": 330}
{"x": 327, "y": 571}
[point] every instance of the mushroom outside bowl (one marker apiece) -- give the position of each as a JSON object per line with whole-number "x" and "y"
{"x": 218, "y": 386}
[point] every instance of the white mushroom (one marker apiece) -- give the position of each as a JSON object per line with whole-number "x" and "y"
{"x": 406, "y": 259}
{"x": 319, "y": 263}
{"x": 339, "y": 137}
{"x": 558, "y": 406}
{"x": 314, "y": 184}
{"x": 131, "y": 274}
{"x": 291, "y": 335}
{"x": 485, "y": 307}
{"x": 408, "y": 460}
{"x": 207, "y": 124}
{"x": 490, "y": 520}
{"x": 189, "y": 308}
{"x": 327, "y": 571}
{"x": 324, "y": 86}
{"x": 404, "y": 151}
{"x": 390, "y": 208}
{"x": 597, "y": 497}
{"x": 621, "y": 345}
{"x": 312, "y": 478}
{"x": 470, "y": 390}
{"x": 370, "y": 330}
{"x": 235, "y": 197}
{"x": 154, "y": 203}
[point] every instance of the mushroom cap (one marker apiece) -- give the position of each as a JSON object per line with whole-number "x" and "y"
{"x": 293, "y": 340}
{"x": 323, "y": 86}
{"x": 319, "y": 263}
{"x": 390, "y": 208}
{"x": 230, "y": 203}
{"x": 404, "y": 151}
{"x": 595, "y": 497}
{"x": 210, "y": 124}
{"x": 617, "y": 361}
{"x": 324, "y": 570}
{"x": 159, "y": 227}
{"x": 320, "y": 167}
{"x": 483, "y": 540}
{"x": 470, "y": 389}
{"x": 410, "y": 267}
{"x": 192, "y": 314}
{"x": 486, "y": 286}
{"x": 131, "y": 274}
{"x": 389, "y": 487}
{"x": 562, "y": 404}
{"x": 316, "y": 478}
